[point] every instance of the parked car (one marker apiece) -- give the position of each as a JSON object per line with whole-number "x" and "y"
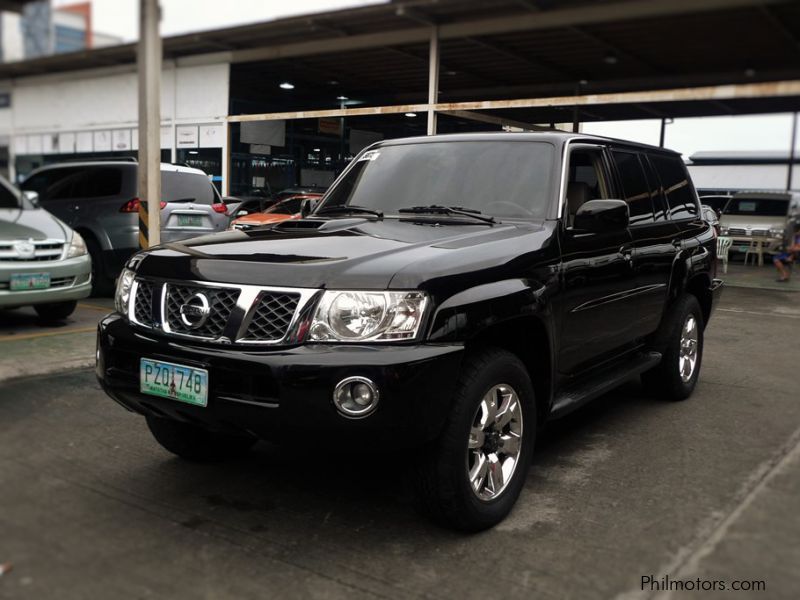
{"x": 99, "y": 199}
{"x": 292, "y": 207}
{"x": 43, "y": 263}
{"x": 390, "y": 317}
{"x": 770, "y": 216}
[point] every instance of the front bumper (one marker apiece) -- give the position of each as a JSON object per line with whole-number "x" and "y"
{"x": 287, "y": 392}
{"x": 70, "y": 278}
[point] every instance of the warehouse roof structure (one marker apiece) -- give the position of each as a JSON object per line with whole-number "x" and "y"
{"x": 598, "y": 50}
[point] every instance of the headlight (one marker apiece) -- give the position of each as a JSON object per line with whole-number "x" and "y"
{"x": 367, "y": 316}
{"x": 123, "y": 293}
{"x": 77, "y": 246}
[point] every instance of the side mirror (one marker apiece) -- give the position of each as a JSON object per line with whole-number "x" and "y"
{"x": 600, "y": 216}
{"x": 305, "y": 209}
{"x": 32, "y": 197}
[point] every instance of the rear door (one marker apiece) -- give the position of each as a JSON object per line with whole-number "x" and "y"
{"x": 653, "y": 236}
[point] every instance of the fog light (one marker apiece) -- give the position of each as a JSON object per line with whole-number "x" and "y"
{"x": 355, "y": 397}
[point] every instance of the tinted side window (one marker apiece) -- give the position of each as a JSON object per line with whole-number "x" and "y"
{"x": 102, "y": 182}
{"x": 68, "y": 187}
{"x": 656, "y": 190}
{"x": 635, "y": 187}
{"x": 43, "y": 183}
{"x": 8, "y": 198}
{"x": 677, "y": 186}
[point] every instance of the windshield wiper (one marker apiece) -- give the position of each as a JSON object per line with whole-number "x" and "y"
{"x": 348, "y": 208}
{"x": 435, "y": 209}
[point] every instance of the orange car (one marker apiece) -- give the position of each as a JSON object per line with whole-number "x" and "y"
{"x": 288, "y": 208}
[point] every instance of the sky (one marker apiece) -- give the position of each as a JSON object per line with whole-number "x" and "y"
{"x": 120, "y": 18}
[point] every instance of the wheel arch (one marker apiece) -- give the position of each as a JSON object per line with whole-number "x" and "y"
{"x": 529, "y": 339}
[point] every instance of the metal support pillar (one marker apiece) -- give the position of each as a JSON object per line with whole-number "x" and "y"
{"x": 433, "y": 80}
{"x": 149, "y": 64}
{"x": 791, "y": 152}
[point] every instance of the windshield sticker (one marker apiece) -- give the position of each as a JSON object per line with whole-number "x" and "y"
{"x": 370, "y": 155}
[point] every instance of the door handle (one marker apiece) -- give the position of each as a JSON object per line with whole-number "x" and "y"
{"x": 678, "y": 243}
{"x": 627, "y": 252}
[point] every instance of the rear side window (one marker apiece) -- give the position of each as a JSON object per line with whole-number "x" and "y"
{"x": 187, "y": 187}
{"x": 102, "y": 182}
{"x": 635, "y": 187}
{"x": 677, "y": 186}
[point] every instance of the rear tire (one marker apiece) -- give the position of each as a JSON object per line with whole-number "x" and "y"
{"x": 102, "y": 282}
{"x": 450, "y": 488}
{"x": 56, "y": 311}
{"x": 681, "y": 342}
{"x": 196, "y": 444}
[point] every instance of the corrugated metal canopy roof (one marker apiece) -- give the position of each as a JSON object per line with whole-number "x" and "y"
{"x": 495, "y": 50}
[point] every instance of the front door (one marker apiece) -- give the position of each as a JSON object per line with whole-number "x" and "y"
{"x": 596, "y": 271}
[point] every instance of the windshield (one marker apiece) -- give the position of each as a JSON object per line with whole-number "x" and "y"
{"x": 9, "y": 197}
{"x": 500, "y": 178}
{"x": 758, "y": 207}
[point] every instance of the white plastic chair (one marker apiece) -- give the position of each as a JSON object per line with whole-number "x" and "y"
{"x": 723, "y": 247}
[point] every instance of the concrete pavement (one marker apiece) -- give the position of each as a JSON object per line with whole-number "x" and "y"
{"x": 626, "y": 488}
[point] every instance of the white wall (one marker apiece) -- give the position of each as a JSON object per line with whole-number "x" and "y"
{"x": 87, "y": 100}
{"x": 743, "y": 177}
{"x": 11, "y": 36}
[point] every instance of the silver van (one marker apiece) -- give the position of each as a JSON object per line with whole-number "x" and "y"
{"x": 100, "y": 200}
{"x": 43, "y": 263}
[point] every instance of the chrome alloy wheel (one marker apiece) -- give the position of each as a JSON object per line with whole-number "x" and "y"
{"x": 495, "y": 442}
{"x": 687, "y": 357}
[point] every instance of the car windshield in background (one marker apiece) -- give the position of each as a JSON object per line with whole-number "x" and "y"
{"x": 8, "y": 197}
{"x": 187, "y": 187}
{"x": 759, "y": 207}
{"x": 501, "y": 179}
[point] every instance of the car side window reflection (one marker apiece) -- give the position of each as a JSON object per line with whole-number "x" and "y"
{"x": 586, "y": 181}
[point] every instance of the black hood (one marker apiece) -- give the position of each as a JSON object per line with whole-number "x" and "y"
{"x": 345, "y": 253}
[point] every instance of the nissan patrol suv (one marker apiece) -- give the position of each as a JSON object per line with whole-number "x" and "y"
{"x": 450, "y": 294}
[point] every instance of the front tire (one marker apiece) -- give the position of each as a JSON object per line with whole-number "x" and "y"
{"x": 196, "y": 444}
{"x": 681, "y": 344}
{"x": 470, "y": 478}
{"x": 56, "y": 311}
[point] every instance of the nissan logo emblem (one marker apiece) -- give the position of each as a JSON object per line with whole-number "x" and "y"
{"x": 196, "y": 310}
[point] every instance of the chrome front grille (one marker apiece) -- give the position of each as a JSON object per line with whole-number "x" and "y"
{"x": 235, "y": 313}
{"x": 221, "y": 303}
{"x": 143, "y": 303}
{"x": 273, "y": 314}
{"x": 40, "y": 250}
{"x": 741, "y": 231}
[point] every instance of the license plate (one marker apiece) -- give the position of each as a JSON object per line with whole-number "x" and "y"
{"x": 29, "y": 281}
{"x": 190, "y": 220}
{"x": 176, "y": 382}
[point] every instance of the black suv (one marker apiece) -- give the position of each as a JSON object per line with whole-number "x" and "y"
{"x": 449, "y": 294}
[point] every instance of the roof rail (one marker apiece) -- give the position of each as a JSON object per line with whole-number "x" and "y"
{"x": 131, "y": 159}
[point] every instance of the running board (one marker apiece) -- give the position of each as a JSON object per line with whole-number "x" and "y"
{"x": 577, "y": 396}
